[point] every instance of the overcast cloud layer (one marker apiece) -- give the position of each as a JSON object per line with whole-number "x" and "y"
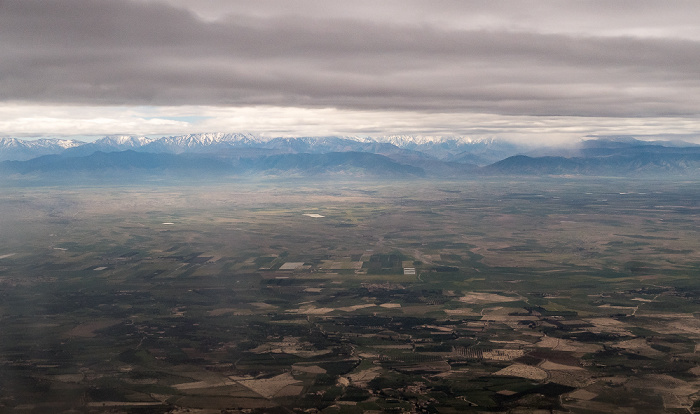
{"x": 425, "y": 67}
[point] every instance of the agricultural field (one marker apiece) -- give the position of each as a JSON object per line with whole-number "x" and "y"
{"x": 560, "y": 295}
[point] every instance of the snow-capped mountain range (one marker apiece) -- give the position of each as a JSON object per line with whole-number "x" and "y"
{"x": 125, "y": 141}
{"x": 452, "y": 149}
{"x": 390, "y": 156}
{"x": 18, "y": 149}
{"x": 459, "y": 149}
{"x": 39, "y": 143}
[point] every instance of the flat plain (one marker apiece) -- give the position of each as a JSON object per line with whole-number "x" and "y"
{"x": 562, "y": 294}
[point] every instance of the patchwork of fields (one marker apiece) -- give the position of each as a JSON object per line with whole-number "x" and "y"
{"x": 560, "y": 295}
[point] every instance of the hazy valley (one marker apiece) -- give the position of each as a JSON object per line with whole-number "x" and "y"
{"x": 567, "y": 294}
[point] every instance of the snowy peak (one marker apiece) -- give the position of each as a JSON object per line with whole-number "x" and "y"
{"x": 60, "y": 143}
{"x": 201, "y": 142}
{"x": 408, "y": 141}
{"x": 123, "y": 141}
{"x": 480, "y": 151}
{"x": 210, "y": 138}
{"x": 11, "y": 143}
{"x": 39, "y": 143}
{"x": 189, "y": 141}
{"x": 18, "y": 149}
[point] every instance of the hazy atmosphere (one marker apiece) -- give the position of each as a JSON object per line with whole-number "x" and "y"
{"x": 544, "y": 71}
{"x": 324, "y": 207}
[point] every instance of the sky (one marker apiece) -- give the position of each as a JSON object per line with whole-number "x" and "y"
{"x": 533, "y": 71}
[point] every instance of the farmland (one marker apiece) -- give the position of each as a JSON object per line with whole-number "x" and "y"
{"x": 555, "y": 294}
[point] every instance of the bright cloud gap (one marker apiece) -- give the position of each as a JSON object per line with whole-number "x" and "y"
{"x": 29, "y": 121}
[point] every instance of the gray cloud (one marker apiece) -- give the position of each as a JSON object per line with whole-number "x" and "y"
{"x": 450, "y": 57}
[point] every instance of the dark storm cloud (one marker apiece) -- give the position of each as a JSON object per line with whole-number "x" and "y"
{"x": 149, "y": 53}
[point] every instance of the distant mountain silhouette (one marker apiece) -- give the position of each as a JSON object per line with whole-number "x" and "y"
{"x": 122, "y": 160}
{"x": 226, "y": 154}
{"x": 628, "y": 163}
{"x": 458, "y": 149}
{"x": 357, "y": 163}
